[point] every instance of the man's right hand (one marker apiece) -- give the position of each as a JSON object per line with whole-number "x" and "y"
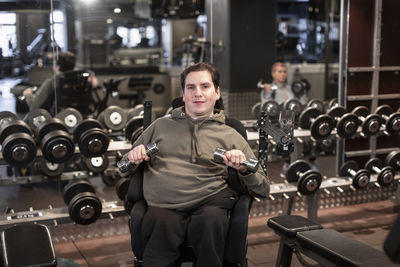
{"x": 267, "y": 87}
{"x": 27, "y": 91}
{"x": 138, "y": 154}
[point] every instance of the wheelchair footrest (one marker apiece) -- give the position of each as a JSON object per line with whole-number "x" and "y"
{"x": 28, "y": 245}
{"x": 290, "y": 225}
{"x": 340, "y": 249}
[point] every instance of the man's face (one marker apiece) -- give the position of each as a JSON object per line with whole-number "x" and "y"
{"x": 279, "y": 74}
{"x": 200, "y": 94}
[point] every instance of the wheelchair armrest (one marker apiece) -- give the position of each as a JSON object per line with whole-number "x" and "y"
{"x": 290, "y": 225}
{"x": 135, "y": 190}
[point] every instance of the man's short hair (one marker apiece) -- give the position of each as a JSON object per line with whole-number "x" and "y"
{"x": 278, "y": 64}
{"x": 202, "y": 66}
{"x": 66, "y": 61}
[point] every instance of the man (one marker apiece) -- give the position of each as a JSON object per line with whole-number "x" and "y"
{"x": 279, "y": 90}
{"x": 185, "y": 189}
{"x": 44, "y": 97}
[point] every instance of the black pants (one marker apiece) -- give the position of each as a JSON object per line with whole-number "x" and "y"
{"x": 204, "y": 227}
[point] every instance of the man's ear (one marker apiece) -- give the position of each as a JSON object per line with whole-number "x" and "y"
{"x": 218, "y": 92}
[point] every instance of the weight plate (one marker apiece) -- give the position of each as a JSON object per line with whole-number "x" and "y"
{"x": 96, "y": 164}
{"x": 255, "y": 110}
{"x": 53, "y": 124}
{"x": 15, "y": 126}
{"x": 136, "y": 111}
{"x": 71, "y": 117}
{"x": 306, "y": 84}
{"x": 132, "y": 125}
{"x": 293, "y": 105}
{"x": 321, "y": 127}
{"x": 85, "y": 208}
{"x": 93, "y": 143}
{"x": 336, "y": 112}
{"x": 393, "y": 123}
{"x": 121, "y": 188}
{"x": 306, "y": 116}
{"x": 114, "y": 118}
{"x": 49, "y": 169}
{"x": 75, "y": 187}
{"x": 361, "y": 179}
{"x": 57, "y": 146}
{"x": 309, "y": 182}
{"x": 327, "y": 145}
{"x": 393, "y": 160}
{"x": 271, "y": 108}
{"x": 333, "y": 102}
{"x": 297, "y": 88}
{"x": 386, "y": 176}
{"x": 347, "y": 125}
{"x": 36, "y": 117}
{"x": 158, "y": 88}
{"x": 6, "y": 116}
{"x": 348, "y": 165}
{"x": 315, "y": 103}
{"x": 371, "y": 124}
{"x": 110, "y": 177}
{"x": 373, "y": 162}
{"x": 19, "y": 149}
{"x": 361, "y": 111}
{"x": 85, "y": 125}
{"x": 384, "y": 110}
{"x": 294, "y": 170}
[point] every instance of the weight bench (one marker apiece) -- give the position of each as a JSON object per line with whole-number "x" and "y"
{"x": 326, "y": 246}
{"x": 27, "y": 245}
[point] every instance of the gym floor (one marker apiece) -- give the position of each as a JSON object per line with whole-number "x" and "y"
{"x": 107, "y": 241}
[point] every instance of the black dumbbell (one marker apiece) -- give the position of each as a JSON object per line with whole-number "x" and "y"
{"x": 326, "y": 146}
{"x": 113, "y": 118}
{"x": 251, "y": 164}
{"x": 320, "y": 125}
{"x": 272, "y": 109}
{"x": 137, "y": 110}
{"x": 346, "y": 123}
{"x": 308, "y": 181}
{"x": 92, "y": 139}
{"x": 110, "y": 176}
{"x": 36, "y": 117}
{"x": 96, "y": 164}
{"x": 315, "y": 103}
{"x": 71, "y": 117}
{"x": 17, "y": 145}
{"x": 370, "y": 123}
{"x": 360, "y": 177}
{"x": 333, "y": 102}
{"x": 391, "y": 120}
{"x": 393, "y": 160}
{"x": 294, "y": 105}
{"x": 300, "y": 87}
{"x": 55, "y": 142}
{"x": 84, "y": 206}
{"x": 48, "y": 169}
{"x": 385, "y": 174}
{"x": 126, "y": 166}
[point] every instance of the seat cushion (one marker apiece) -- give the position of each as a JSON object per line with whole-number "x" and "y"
{"x": 290, "y": 225}
{"x": 340, "y": 249}
{"x": 28, "y": 245}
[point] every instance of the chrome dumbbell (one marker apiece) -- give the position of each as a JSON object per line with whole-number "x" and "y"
{"x": 251, "y": 164}
{"x": 125, "y": 165}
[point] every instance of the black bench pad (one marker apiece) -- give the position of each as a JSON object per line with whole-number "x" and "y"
{"x": 290, "y": 225}
{"x": 342, "y": 250}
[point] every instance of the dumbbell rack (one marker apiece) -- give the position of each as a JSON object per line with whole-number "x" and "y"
{"x": 30, "y": 179}
{"x": 55, "y": 216}
{"x": 369, "y": 71}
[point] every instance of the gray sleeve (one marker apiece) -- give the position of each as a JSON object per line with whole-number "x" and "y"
{"x": 37, "y": 99}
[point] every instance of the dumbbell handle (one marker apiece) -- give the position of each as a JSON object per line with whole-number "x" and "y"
{"x": 125, "y": 165}
{"x": 352, "y": 172}
{"x": 251, "y": 164}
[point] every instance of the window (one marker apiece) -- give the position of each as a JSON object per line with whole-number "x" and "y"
{"x": 58, "y": 27}
{"x": 8, "y": 33}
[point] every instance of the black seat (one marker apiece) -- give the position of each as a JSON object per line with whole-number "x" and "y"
{"x": 236, "y": 243}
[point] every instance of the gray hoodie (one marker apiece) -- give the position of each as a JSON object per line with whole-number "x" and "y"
{"x": 184, "y": 173}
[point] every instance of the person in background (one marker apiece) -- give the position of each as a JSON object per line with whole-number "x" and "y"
{"x": 43, "y": 97}
{"x": 186, "y": 190}
{"x": 279, "y": 90}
